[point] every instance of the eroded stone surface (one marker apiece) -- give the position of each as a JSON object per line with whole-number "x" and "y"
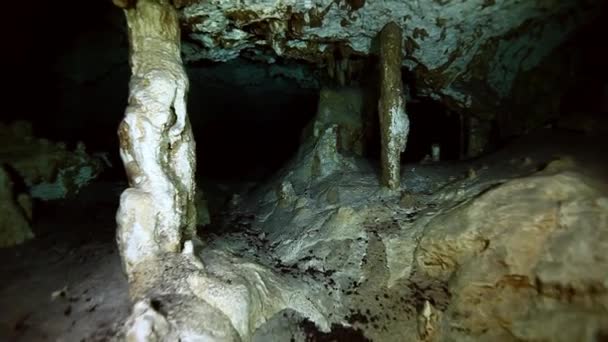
{"x": 526, "y": 250}
{"x": 512, "y": 252}
{"x": 394, "y": 123}
{"x": 157, "y": 212}
{"x": 468, "y": 51}
{"x": 343, "y": 107}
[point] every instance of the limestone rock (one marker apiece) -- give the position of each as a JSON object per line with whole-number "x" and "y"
{"x": 455, "y": 48}
{"x": 331, "y": 139}
{"x": 226, "y": 299}
{"x": 286, "y": 194}
{"x": 344, "y": 108}
{"x": 157, "y": 212}
{"x": 317, "y": 159}
{"x": 177, "y": 318}
{"x": 487, "y": 258}
{"x": 49, "y": 170}
{"x": 428, "y": 319}
{"x": 521, "y": 254}
{"x": 15, "y": 220}
{"x": 394, "y": 123}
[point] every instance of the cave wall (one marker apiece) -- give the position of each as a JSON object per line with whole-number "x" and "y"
{"x": 68, "y": 71}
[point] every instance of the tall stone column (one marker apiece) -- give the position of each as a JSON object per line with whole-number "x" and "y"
{"x": 394, "y": 123}
{"x": 157, "y": 211}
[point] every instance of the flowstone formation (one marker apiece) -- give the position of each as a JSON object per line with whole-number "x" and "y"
{"x": 323, "y": 250}
{"x": 157, "y": 211}
{"x": 177, "y": 296}
{"x": 505, "y": 253}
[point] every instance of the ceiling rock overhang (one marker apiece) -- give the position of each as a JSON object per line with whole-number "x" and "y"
{"x": 461, "y": 51}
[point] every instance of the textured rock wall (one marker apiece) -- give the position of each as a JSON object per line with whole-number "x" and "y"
{"x": 343, "y": 107}
{"x": 48, "y": 169}
{"x": 156, "y": 145}
{"x": 466, "y": 52}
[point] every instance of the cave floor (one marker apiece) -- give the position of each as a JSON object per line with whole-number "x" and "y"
{"x": 67, "y": 284}
{"x": 346, "y": 239}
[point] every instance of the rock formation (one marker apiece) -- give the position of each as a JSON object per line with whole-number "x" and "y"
{"x": 462, "y": 261}
{"x": 344, "y": 108}
{"x": 478, "y": 255}
{"x": 14, "y": 211}
{"x": 470, "y": 54}
{"x": 36, "y": 168}
{"x": 394, "y": 123}
{"x": 157, "y": 212}
{"x": 48, "y": 169}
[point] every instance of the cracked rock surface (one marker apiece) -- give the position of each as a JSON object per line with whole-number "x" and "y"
{"x": 469, "y": 52}
{"x": 507, "y": 248}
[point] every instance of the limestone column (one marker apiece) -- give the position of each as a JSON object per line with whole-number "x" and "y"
{"x": 478, "y": 136}
{"x": 157, "y": 211}
{"x": 394, "y": 123}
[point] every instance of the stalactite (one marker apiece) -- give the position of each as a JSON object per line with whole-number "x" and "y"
{"x": 157, "y": 211}
{"x": 394, "y": 123}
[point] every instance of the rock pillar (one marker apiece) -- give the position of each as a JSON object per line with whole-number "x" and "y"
{"x": 157, "y": 211}
{"x": 394, "y": 123}
{"x": 478, "y": 137}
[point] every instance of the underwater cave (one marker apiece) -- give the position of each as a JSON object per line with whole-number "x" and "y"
{"x": 304, "y": 171}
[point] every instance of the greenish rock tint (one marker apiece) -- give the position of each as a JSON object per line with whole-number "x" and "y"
{"x": 14, "y": 223}
{"x": 68, "y": 181}
{"x": 48, "y": 169}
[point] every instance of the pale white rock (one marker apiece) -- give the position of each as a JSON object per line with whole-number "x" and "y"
{"x": 157, "y": 211}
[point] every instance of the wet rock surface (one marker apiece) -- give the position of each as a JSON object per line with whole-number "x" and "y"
{"x": 474, "y": 251}
{"x": 451, "y": 257}
{"x": 469, "y": 53}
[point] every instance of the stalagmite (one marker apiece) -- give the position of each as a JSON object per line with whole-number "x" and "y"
{"x": 157, "y": 211}
{"x": 478, "y": 137}
{"x": 394, "y": 123}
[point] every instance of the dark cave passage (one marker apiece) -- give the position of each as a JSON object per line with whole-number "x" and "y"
{"x": 432, "y": 123}
{"x": 350, "y": 249}
{"x": 248, "y": 117}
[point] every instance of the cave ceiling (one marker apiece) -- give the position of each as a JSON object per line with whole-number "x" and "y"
{"x": 463, "y": 52}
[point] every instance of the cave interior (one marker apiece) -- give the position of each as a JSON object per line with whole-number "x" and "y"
{"x": 310, "y": 216}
